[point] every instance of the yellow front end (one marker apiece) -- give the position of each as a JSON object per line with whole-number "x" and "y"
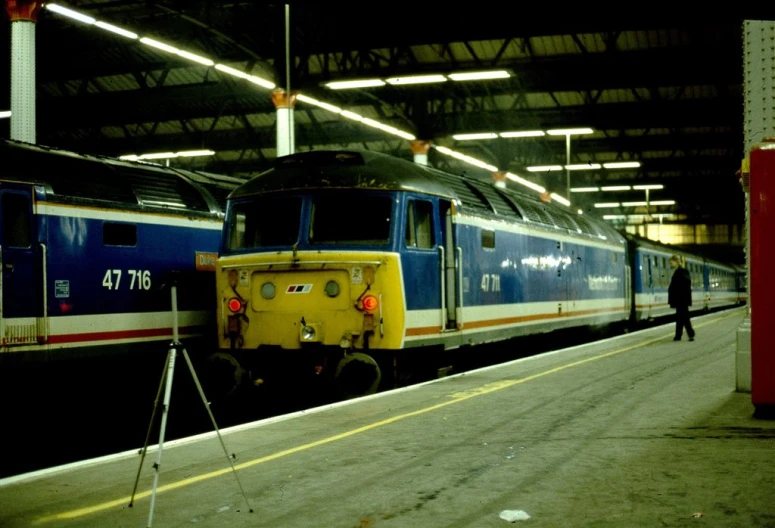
{"x": 346, "y": 300}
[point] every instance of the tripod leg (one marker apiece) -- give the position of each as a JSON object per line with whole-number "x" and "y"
{"x": 165, "y": 412}
{"x": 212, "y": 419}
{"x": 150, "y": 425}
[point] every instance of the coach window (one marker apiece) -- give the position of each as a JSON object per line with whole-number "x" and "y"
{"x": 419, "y": 224}
{"x": 16, "y": 221}
{"x": 488, "y": 239}
{"x": 119, "y": 234}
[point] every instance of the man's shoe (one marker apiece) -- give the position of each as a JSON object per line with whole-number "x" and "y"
{"x": 691, "y": 338}
{"x": 676, "y": 339}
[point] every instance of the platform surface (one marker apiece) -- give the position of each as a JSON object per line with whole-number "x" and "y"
{"x": 637, "y": 430}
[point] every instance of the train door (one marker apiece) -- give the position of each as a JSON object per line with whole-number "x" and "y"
{"x": 21, "y": 310}
{"x": 451, "y": 263}
{"x": 648, "y": 285}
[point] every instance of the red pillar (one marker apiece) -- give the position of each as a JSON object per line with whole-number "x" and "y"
{"x": 762, "y": 276}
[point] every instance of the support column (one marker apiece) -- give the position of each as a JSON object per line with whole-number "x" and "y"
{"x": 499, "y": 178}
{"x": 420, "y": 150}
{"x": 758, "y": 123}
{"x": 24, "y": 15}
{"x": 286, "y": 140}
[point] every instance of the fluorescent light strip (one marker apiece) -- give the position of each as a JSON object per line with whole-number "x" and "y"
{"x": 545, "y": 168}
{"x": 309, "y": 100}
{"x": 607, "y": 204}
{"x": 622, "y": 165}
{"x": 663, "y": 202}
{"x": 478, "y": 76}
{"x": 523, "y": 133}
{"x": 364, "y": 83}
{"x": 583, "y": 166}
{"x": 585, "y": 189}
{"x": 167, "y": 155}
{"x": 467, "y": 159}
{"x": 647, "y": 187}
{"x": 526, "y": 183}
{"x": 159, "y": 45}
{"x": 70, "y": 13}
{"x": 557, "y": 198}
{"x": 352, "y": 115}
{"x": 416, "y": 79}
{"x": 115, "y": 29}
{"x": 484, "y": 135}
{"x": 616, "y": 188}
{"x": 634, "y": 204}
{"x": 569, "y": 131}
{"x": 196, "y": 58}
{"x": 5, "y": 114}
{"x": 638, "y": 216}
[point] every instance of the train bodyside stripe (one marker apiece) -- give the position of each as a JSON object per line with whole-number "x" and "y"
{"x": 421, "y": 322}
{"x": 124, "y": 328}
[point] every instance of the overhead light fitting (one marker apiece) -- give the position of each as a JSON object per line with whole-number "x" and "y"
{"x": 483, "y": 135}
{"x": 648, "y": 187}
{"x": 569, "y": 131}
{"x": 479, "y": 76}
{"x": 5, "y": 114}
{"x": 523, "y": 133}
{"x": 585, "y": 189}
{"x": 544, "y": 168}
{"x": 116, "y": 30}
{"x": 616, "y": 188}
{"x": 419, "y": 79}
{"x": 363, "y": 83}
{"x": 69, "y": 13}
{"x": 635, "y": 204}
{"x": 557, "y": 198}
{"x": 167, "y": 155}
{"x": 416, "y": 79}
{"x": 639, "y": 216}
{"x": 583, "y": 166}
{"x": 526, "y": 183}
{"x": 622, "y": 165}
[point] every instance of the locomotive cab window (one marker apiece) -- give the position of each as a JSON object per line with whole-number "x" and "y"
{"x": 119, "y": 234}
{"x": 17, "y": 231}
{"x": 419, "y": 224}
{"x": 265, "y": 222}
{"x": 350, "y": 219}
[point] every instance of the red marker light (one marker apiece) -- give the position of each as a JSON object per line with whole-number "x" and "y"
{"x": 235, "y": 305}
{"x": 370, "y": 303}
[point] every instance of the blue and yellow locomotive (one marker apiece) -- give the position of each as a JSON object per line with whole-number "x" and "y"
{"x": 358, "y": 262}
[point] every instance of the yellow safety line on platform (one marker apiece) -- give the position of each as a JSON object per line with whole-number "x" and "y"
{"x": 456, "y": 398}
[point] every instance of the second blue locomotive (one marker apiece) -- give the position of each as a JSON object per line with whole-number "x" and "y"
{"x": 355, "y": 261}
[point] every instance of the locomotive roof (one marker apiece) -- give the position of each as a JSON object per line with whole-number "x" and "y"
{"x": 72, "y": 176}
{"x": 340, "y": 169}
{"x": 363, "y": 169}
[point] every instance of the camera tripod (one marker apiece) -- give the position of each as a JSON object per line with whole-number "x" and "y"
{"x": 166, "y": 383}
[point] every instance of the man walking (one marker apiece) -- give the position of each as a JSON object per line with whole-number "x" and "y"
{"x": 679, "y": 296}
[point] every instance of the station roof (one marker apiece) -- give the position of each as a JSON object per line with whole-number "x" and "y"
{"x": 664, "y": 92}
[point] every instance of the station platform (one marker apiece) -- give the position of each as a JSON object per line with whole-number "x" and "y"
{"x": 637, "y": 430}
